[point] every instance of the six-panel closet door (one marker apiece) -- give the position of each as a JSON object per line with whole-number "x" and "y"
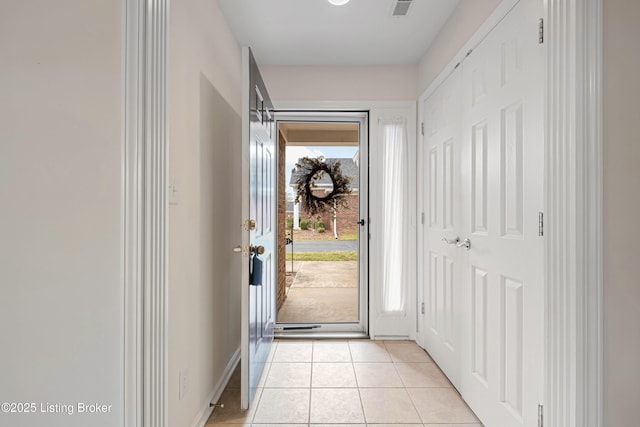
{"x": 484, "y": 304}
{"x": 442, "y": 145}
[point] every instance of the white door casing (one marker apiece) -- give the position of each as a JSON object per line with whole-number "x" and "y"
{"x": 392, "y": 326}
{"x": 145, "y": 166}
{"x": 573, "y": 203}
{"x": 359, "y": 327}
{"x": 502, "y": 196}
{"x": 441, "y": 155}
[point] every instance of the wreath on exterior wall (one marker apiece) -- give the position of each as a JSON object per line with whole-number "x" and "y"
{"x": 309, "y": 171}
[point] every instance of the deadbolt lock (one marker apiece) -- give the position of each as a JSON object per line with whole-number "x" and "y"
{"x": 249, "y": 225}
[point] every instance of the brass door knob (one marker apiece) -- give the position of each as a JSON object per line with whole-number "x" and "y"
{"x": 259, "y": 250}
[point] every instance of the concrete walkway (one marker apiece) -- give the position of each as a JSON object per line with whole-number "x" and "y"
{"x": 324, "y": 246}
{"x": 322, "y": 292}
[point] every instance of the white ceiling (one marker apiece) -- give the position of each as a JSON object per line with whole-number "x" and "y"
{"x": 314, "y": 32}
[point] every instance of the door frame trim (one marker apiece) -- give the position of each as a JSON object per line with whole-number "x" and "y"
{"x": 373, "y": 107}
{"x": 144, "y": 212}
{"x": 362, "y": 117}
{"x": 573, "y": 203}
{"x": 245, "y": 394}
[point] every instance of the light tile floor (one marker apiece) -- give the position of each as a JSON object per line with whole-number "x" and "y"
{"x": 347, "y": 383}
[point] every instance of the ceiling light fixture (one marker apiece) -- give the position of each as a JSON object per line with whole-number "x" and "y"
{"x": 338, "y": 2}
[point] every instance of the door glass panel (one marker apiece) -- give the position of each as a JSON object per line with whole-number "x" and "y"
{"x": 319, "y": 223}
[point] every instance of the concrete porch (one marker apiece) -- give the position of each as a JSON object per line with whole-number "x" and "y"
{"x": 321, "y": 292}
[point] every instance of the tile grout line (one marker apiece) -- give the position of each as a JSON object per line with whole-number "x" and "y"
{"x": 271, "y": 362}
{"x": 399, "y": 376}
{"x": 353, "y": 368}
{"x": 415, "y": 407}
{"x": 313, "y": 344}
{"x": 253, "y": 411}
{"x": 358, "y": 386}
{"x": 313, "y": 347}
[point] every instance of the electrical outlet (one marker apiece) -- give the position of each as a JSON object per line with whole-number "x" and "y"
{"x": 184, "y": 384}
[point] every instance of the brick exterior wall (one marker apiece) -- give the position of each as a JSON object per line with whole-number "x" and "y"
{"x": 282, "y": 221}
{"x": 347, "y": 216}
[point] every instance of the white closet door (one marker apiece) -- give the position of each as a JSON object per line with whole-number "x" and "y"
{"x": 442, "y": 128}
{"x": 502, "y": 194}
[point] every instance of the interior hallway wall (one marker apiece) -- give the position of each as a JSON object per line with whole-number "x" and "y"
{"x": 461, "y": 25}
{"x": 621, "y": 207}
{"x": 204, "y": 215}
{"x": 61, "y": 282}
{"x": 340, "y": 83}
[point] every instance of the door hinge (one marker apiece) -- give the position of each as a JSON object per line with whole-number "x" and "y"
{"x": 422, "y": 308}
{"x": 422, "y": 128}
{"x": 540, "y": 416}
{"x": 422, "y": 218}
{"x": 541, "y": 31}
{"x": 540, "y": 224}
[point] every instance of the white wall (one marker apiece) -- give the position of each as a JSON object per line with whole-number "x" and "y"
{"x": 622, "y": 204}
{"x": 461, "y": 25}
{"x": 61, "y": 287}
{"x": 204, "y": 122}
{"x": 336, "y": 83}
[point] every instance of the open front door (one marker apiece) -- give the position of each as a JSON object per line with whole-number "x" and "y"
{"x": 258, "y": 193}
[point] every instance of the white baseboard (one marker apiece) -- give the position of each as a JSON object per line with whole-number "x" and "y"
{"x": 393, "y": 338}
{"x": 214, "y": 396}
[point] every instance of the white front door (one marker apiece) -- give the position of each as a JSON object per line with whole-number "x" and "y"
{"x": 258, "y": 283}
{"x": 502, "y": 195}
{"x": 441, "y": 260}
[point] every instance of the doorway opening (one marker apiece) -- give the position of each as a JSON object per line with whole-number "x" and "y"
{"x": 322, "y": 200}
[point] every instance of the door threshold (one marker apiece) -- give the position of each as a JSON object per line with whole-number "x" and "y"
{"x": 318, "y": 335}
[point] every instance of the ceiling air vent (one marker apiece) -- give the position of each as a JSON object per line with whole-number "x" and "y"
{"x": 401, "y": 8}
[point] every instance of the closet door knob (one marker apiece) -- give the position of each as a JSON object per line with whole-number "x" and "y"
{"x": 453, "y": 241}
{"x": 466, "y": 243}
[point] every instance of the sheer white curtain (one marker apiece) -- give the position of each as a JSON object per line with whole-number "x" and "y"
{"x": 394, "y": 184}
